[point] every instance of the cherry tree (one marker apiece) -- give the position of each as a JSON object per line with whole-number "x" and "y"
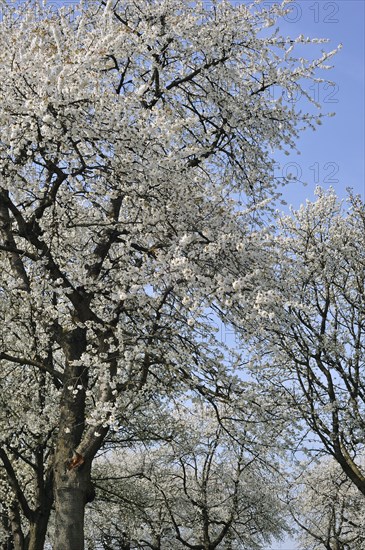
{"x": 135, "y": 144}
{"x": 311, "y": 333}
{"x": 202, "y": 488}
{"x": 328, "y": 508}
{"x": 28, "y": 423}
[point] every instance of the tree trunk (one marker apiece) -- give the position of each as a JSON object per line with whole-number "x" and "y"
{"x": 72, "y": 480}
{"x": 73, "y": 491}
{"x": 38, "y": 522}
{"x": 36, "y": 537}
{"x": 37, "y": 533}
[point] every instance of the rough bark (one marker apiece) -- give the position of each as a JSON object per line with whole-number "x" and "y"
{"x": 72, "y": 481}
{"x": 72, "y": 494}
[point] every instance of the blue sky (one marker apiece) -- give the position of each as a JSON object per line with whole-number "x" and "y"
{"x": 334, "y": 154}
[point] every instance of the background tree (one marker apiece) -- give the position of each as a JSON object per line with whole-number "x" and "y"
{"x": 203, "y": 488}
{"x": 328, "y": 508}
{"x": 28, "y": 420}
{"x": 127, "y": 131}
{"x": 311, "y": 328}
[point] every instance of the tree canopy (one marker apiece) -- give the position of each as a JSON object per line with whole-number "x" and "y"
{"x": 310, "y": 337}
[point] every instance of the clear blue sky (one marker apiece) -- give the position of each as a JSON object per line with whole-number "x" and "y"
{"x": 334, "y": 154}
